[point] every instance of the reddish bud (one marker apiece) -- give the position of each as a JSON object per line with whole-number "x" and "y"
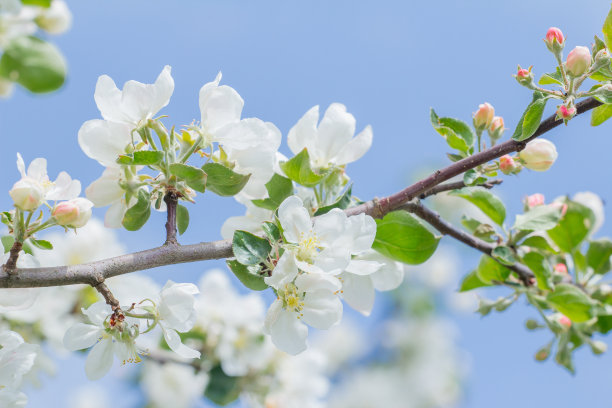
{"x": 565, "y": 321}
{"x": 560, "y": 268}
{"x": 554, "y": 40}
{"x": 534, "y": 200}
{"x": 565, "y": 113}
{"x": 483, "y": 117}
{"x": 525, "y": 77}
{"x": 507, "y": 165}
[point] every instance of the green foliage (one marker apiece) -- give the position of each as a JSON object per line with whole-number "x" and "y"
{"x": 40, "y": 3}
{"x": 538, "y": 242}
{"x": 607, "y": 31}
{"x": 504, "y": 255}
{"x": 457, "y": 133}
{"x": 600, "y": 114}
{"x": 193, "y": 176}
{"x": 33, "y": 63}
{"x": 530, "y": 120}
{"x": 489, "y": 270}
{"x": 572, "y": 302}
{"x": 279, "y": 188}
{"x": 540, "y": 218}
{"x": 137, "y": 215}
{"x": 182, "y": 219}
{"x": 485, "y": 200}
{"x": 271, "y": 231}
{"x": 299, "y": 170}
{"x": 343, "y": 202}
{"x": 471, "y": 281}
{"x": 223, "y": 181}
{"x": 405, "y": 238}
{"x": 144, "y": 158}
{"x": 598, "y": 255}
{"x": 222, "y": 389}
{"x": 249, "y": 275}
{"x": 41, "y": 244}
{"x": 552, "y": 78}
{"x": 250, "y": 249}
{"x": 573, "y": 227}
{"x": 541, "y": 268}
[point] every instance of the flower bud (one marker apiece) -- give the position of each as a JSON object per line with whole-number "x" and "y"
{"x": 542, "y": 354}
{"x": 561, "y": 269}
{"x": 73, "y": 213}
{"x": 566, "y": 113}
{"x": 496, "y": 130}
{"x": 534, "y": 200}
{"x": 539, "y": 155}
{"x": 598, "y": 347}
{"x": 483, "y": 117}
{"x": 601, "y": 59}
{"x": 56, "y": 19}
{"x": 578, "y": 61}
{"x": 525, "y": 77}
{"x": 27, "y": 194}
{"x": 508, "y": 165}
{"x": 554, "y": 40}
{"x": 564, "y": 321}
{"x": 532, "y": 324}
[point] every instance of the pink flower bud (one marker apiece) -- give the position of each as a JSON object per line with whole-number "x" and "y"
{"x": 539, "y": 155}
{"x": 554, "y": 39}
{"x": 565, "y": 321}
{"x": 560, "y": 268}
{"x": 534, "y": 200}
{"x": 496, "y": 130}
{"x": 27, "y": 194}
{"x": 483, "y": 117}
{"x": 525, "y": 77}
{"x": 565, "y": 113}
{"x": 73, "y": 213}
{"x": 508, "y": 165}
{"x": 578, "y": 61}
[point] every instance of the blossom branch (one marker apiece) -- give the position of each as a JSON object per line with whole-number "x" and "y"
{"x": 11, "y": 263}
{"x": 108, "y": 295}
{"x": 440, "y": 188}
{"x": 446, "y": 228}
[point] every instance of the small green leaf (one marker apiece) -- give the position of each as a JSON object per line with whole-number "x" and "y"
{"x": 504, "y": 255}
{"x": 278, "y": 188}
{"x": 454, "y": 157}
{"x": 552, "y": 78}
{"x": 193, "y": 176}
{"x": 299, "y": 170}
{"x": 137, "y": 215}
{"x": 541, "y": 268}
{"x": 147, "y": 157}
{"x": 405, "y": 238}
{"x": 223, "y": 181}
{"x": 600, "y": 114}
{"x": 271, "y": 231}
{"x": 342, "y": 203}
{"x": 473, "y": 177}
{"x": 490, "y": 270}
{"x": 182, "y": 219}
{"x": 532, "y": 118}
{"x": 250, "y": 249}
{"x": 460, "y": 128}
{"x": 248, "y": 275}
{"x": 41, "y": 244}
{"x": 572, "y": 302}
{"x": 540, "y": 218}
{"x": 471, "y": 281}
{"x": 485, "y": 200}
{"x": 574, "y": 227}
{"x": 7, "y": 242}
{"x": 478, "y": 229}
{"x": 538, "y": 242}
{"x": 518, "y": 132}
{"x": 457, "y": 133}
{"x": 222, "y": 389}
{"x": 598, "y": 255}
{"x": 33, "y": 63}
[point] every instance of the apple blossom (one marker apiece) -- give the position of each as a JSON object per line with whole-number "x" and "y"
{"x": 104, "y": 141}
{"x": 73, "y": 213}
{"x": 525, "y": 77}
{"x": 578, "y": 61}
{"x": 483, "y": 117}
{"x": 251, "y": 221}
{"x": 173, "y": 385}
{"x": 594, "y": 202}
{"x": 561, "y": 268}
{"x": 56, "y": 19}
{"x": 538, "y": 155}
{"x": 107, "y": 190}
{"x": 331, "y": 142}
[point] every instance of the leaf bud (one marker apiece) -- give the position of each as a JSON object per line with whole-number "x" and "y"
{"x": 601, "y": 60}
{"x": 598, "y": 347}
{"x": 542, "y": 354}
{"x": 539, "y": 155}
{"x": 578, "y": 61}
{"x": 532, "y": 324}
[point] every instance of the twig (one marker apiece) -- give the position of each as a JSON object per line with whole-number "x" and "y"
{"x": 171, "y": 200}
{"x": 440, "y": 188}
{"x": 446, "y": 228}
{"x": 108, "y": 295}
{"x": 11, "y": 263}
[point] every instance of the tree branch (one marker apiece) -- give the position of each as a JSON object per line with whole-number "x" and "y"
{"x": 446, "y": 228}
{"x": 454, "y": 185}
{"x": 11, "y": 263}
{"x": 171, "y": 200}
{"x": 108, "y": 295}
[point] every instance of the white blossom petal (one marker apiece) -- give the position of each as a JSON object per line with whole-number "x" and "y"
{"x": 355, "y": 148}
{"x": 219, "y": 105}
{"x": 82, "y": 336}
{"x": 358, "y": 292}
{"x": 100, "y": 359}
{"x": 294, "y": 219}
{"x": 287, "y": 331}
{"x": 304, "y": 133}
{"x": 104, "y": 141}
{"x": 335, "y": 131}
{"x": 175, "y": 344}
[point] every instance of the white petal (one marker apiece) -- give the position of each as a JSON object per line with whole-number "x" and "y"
{"x": 330, "y": 226}
{"x": 108, "y": 100}
{"x": 284, "y": 272}
{"x": 65, "y": 188}
{"x": 356, "y": 148}
{"x": 104, "y": 141}
{"x": 287, "y": 331}
{"x": 16, "y": 298}
{"x": 310, "y": 282}
{"x": 294, "y": 219}
{"x": 360, "y": 233}
{"x": 358, "y": 292}
{"x": 303, "y": 133}
{"x": 362, "y": 267}
{"x": 241, "y": 222}
{"x": 100, "y": 359}
{"x": 174, "y": 342}
{"x": 106, "y": 190}
{"x": 97, "y": 313}
{"x": 82, "y": 336}
{"x": 335, "y": 130}
{"x": 114, "y": 215}
{"x": 21, "y": 166}
{"x": 322, "y": 309}
{"x": 389, "y": 276}
{"x": 219, "y": 105}
{"x": 38, "y": 170}
{"x": 333, "y": 260}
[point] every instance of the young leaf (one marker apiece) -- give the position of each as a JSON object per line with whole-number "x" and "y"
{"x": 223, "y": 181}
{"x": 250, "y": 249}
{"x": 518, "y": 132}
{"x": 343, "y": 202}
{"x": 7, "y": 242}
{"x": 574, "y": 227}
{"x": 33, "y": 63}
{"x": 193, "y": 176}
{"x": 279, "y": 188}
{"x": 538, "y": 242}
{"x": 540, "y": 218}
{"x": 600, "y": 114}
{"x": 222, "y": 389}
{"x": 41, "y": 244}
{"x": 39, "y": 3}
{"x": 182, "y": 219}
{"x": 271, "y": 231}
{"x": 504, "y": 255}
{"x": 541, "y": 268}
{"x": 457, "y": 133}
{"x": 485, "y": 200}
{"x": 405, "y": 238}
{"x": 137, "y": 215}
{"x": 598, "y": 255}
{"x": 552, "y": 78}
{"x": 298, "y": 169}
{"x": 607, "y": 30}
{"x": 471, "y": 281}
{"x": 247, "y": 274}
{"x": 532, "y": 118}
{"x": 572, "y": 302}
{"x": 490, "y": 270}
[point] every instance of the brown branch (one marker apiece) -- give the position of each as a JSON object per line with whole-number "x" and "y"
{"x": 108, "y": 295}
{"x": 446, "y": 228}
{"x": 11, "y": 264}
{"x": 379, "y": 207}
{"x": 454, "y": 185}
{"x": 171, "y": 200}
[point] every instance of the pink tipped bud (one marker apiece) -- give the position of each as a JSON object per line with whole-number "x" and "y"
{"x": 73, "y": 213}
{"x": 578, "y": 61}
{"x": 565, "y": 321}
{"x": 508, "y": 165}
{"x": 483, "y": 117}
{"x": 534, "y": 200}
{"x": 554, "y": 39}
{"x": 496, "y": 130}
{"x": 565, "y": 113}
{"x": 561, "y": 269}
{"x": 561, "y": 206}
{"x": 525, "y": 77}
{"x": 27, "y": 194}
{"x": 539, "y": 155}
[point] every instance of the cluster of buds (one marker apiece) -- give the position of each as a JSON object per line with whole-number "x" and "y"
{"x": 538, "y": 155}
{"x": 508, "y": 165}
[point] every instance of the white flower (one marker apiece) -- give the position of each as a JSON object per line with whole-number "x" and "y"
{"x": 11, "y": 398}
{"x": 331, "y": 143}
{"x": 251, "y": 221}
{"x": 56, "y": 19}
{"x": 219, "y": 107}
{"x": 104, "y": 141}
{"x": 137, "y": 102}
{"x": 309, "y": 299}
{"x": 106, "y": 190}
{"x": 16, "y": 359}
{"x": 106, "y": 340}
{"x": 173, "y": 385}
{"x": 176, "y": 312}
{"x": 594, "y": 202}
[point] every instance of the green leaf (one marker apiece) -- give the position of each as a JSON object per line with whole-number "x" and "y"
{"x": 271, "y": 231}
{"x": 193, "y": 176}
{"x": 222, "y": 389}
{"x": 490, "y": 270}
{"x": 454, "y": 157}
{"x": 41, "y": 244}
{"x": 572, "y": 302}
{"x": 405, "y": 238}
{"x": 7, "y": 242}
{"x": 298, "y": 169}
{"x": 40, "y": 3}
{"x": 457, "y": 133}
{"x": 248, "y": 275}
{"x": 141, "y": 158}
{"x": 279, "y": 188}
{"x": 182, "y": 219}
{"x": 460, "y": 128}
{"x": 471, "y": 281}
{"x": 478, "y": 229}
{"x": 574, "y": 227}
{"x": 137, "y": 215}
{"x": 33, "y": 63}
{"x": 485, "y": 200}
{"x": 504, "y": 255}
{"x": 538, "y": 242}
{"x": 600, "y": 114}
{"x": 250, "y": 249}
{"x": 598, "y": 255}
{"x": 532, "y": 118}
{"x": 540, "y": 218}
{"x": 223, "y": 181}
{"x": 518, "y": 132}
{"x": 541, "y": 268}
{"x": 552, "y": 78}
{"x": 607, "y": 30}
{"x": 342, "y": 203}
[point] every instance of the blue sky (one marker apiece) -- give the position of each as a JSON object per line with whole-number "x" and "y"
{"x": 388, "y": 62}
